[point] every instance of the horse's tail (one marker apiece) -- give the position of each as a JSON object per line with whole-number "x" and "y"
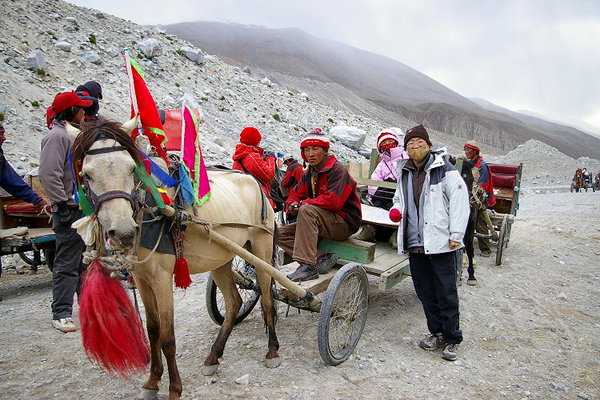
{"x": 111, "y": 331}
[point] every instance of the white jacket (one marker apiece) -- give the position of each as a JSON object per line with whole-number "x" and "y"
{"x": 444, "y": 205}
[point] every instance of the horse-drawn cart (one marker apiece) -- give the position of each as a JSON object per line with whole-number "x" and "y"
{"x": 507, "y": 184}
{"x": 26, "y": 231}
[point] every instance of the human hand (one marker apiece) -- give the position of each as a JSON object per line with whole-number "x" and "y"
{"x": 293, "y": 208}
{"x": 453, "y": 244}
{"x": 269, "y": 153}
{"x": 395, "y": 215}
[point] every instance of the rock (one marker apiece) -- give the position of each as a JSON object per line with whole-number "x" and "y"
{"x": 36, "y": 60}
{"x": 63, "y": 45}
{"x": 150, "y": 47}
{"x": 349, "y": 136}
{"x": 561, "y": 296}
{"x": 247, "y": 70}
{"x": 266, "y": 81}
{"x": 92, "y": 57}
{"x": 243, "y": 380}
{"x": 192, "y": 54}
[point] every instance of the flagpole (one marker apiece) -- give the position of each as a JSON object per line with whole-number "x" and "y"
{"x": 132, "y": 94}
{"x": 182, "y": 128}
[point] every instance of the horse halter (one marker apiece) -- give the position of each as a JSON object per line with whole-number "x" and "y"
{"x": 97, "y": 200}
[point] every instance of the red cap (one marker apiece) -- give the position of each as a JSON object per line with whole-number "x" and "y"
{"x": 473, "y": 145}
{"x": 64, "y": 101}
{"x": 250, "y": 136}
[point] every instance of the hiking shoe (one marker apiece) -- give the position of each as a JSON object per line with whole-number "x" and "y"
{"x": 366, "y": 233}
{"x": 326, "y": 262}
{"x": 486, "y": 253}
{"x": 64, "y": 324}
{"x": 305, "y": 272}
{"x": 449, "y": 352}
{"x": 432, "y": 342}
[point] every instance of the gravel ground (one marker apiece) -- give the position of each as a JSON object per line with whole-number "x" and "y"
{"x": 530, "y": 330}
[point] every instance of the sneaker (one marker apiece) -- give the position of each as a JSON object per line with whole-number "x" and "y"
{"x": 326, "y": 262}
{"x": 432, "y": 342}
{"x": 366, "y": 233}
{"x": 486, "y": 253}
{"x": 64, "y": 324}
{"x": 449, "y": 352}
{"x": 304, "y": 272}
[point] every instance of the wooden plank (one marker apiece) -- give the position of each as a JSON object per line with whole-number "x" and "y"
{"x": 349, "y": 249}
{"x": 384, "y": 262}
{"x": 377, "y": 216}
{"x": 371, "y": 182}
{"x": 394, "y": 275}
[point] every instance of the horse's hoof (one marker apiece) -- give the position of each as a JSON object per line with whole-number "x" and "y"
{"x": 272, "y": 362}
{"x": 147, "y": 394}
{"x": 208, "y": 370}
{"x": 472, "y": 282}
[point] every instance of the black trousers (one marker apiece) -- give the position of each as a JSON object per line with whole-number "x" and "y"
{"x": 68, "y": 265}
{"x": 434, "y": 278}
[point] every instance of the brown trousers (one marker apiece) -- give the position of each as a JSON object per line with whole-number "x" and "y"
{"x": 299, "y": 239}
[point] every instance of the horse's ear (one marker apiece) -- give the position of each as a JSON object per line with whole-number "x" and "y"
{"x": 71, "y": 130}
{"x": 131, "y": 124}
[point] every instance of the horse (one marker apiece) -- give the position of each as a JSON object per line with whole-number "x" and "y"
{"x": 470, "y": 175}
{"x": 107, "y": 158}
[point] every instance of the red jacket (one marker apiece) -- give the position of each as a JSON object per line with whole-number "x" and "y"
{"x": 335, "y": 191}
{"x": 485, "y": 180}
{"x": 292, "y": 175}
{"x": 249, "y": 159}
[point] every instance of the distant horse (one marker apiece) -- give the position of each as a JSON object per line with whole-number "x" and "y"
{"x": 108, "y": 158}
{"x": 470, "y": 175}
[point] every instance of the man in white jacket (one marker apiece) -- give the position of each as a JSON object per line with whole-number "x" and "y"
{"x": 433, "y": 199}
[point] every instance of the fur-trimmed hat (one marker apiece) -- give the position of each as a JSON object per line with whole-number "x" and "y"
{"x": 384, "y": 135}
{"x": 315, "y": 137}
{"x": 418, "y": 131}
{"x": 473, "y": 145}
{"x": 250, "y": 136}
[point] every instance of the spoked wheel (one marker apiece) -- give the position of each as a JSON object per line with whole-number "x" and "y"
{"x": 343, "y": 314}
{"x": 215, "y": 304}
{"x": 28, "y": 257}
{"x": 502, "y": 239}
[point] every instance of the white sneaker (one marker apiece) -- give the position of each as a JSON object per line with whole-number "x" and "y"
{"x": 64, "y": 324}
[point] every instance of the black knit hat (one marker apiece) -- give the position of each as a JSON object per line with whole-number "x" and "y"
{"x": 418, "y": 131}
{"x": 92, "y": 88}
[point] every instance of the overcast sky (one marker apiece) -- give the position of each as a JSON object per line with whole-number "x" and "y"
{"x": 536, "y": 55}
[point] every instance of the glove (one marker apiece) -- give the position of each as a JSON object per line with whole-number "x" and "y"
{"x": 395, "y": 215}
{"x": 64, "y": 214}
{"x": 279, "y": 155}
{"x": 269, "y": 154}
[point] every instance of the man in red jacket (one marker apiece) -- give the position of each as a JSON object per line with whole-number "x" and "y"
{"x": 327, "y": 205}
{"x": 293, "y": 173}
{"x": 253, "y": 160}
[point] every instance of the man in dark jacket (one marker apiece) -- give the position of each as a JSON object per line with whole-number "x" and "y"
{"x": 90, "y": 91}
{"x": 293, "y": 173}
{"x": 12, "y": 182}
{"x": 327, "y": 205}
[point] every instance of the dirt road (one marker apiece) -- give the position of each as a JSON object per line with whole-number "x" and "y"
{"x": 530, "y": 330}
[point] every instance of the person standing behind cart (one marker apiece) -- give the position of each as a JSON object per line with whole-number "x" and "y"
{"x": 326, "y": 204}
{"x": 91, "y": 90}
{"x": 485, "y": 181}
{"x": 293, "y": 173}
{"x": 12, "y": 182}
{"x": 57, "y": 181}
{"x": 432, "y": 204}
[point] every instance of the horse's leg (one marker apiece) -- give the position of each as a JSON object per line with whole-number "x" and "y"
{"x": 161, "y": 329}
{"x": 223, "y": 277}
{"x": 263, "y": 246}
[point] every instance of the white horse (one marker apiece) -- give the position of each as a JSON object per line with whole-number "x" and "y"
{"x": 107, "y": 158}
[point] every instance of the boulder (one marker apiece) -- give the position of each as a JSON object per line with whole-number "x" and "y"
{"x": 150, "y": 47}
{"x": 192, "y": 54}
{"x": 36, "y": 60}
{"x": 349, "y": 136}
{"x": 63, "y": 45}
{"x": 92, "y": 57}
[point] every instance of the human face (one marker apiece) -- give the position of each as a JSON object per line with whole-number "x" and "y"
{"x": 470, "y": 153}
{"x": 417, "y": 149}
{"x": 314, "y": 154}
{"x": 79, "y": 115}
{"x": 2, "y": 138}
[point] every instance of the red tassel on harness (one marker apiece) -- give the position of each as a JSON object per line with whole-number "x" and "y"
{"x": 181, "y": 274}
{"x": 111, "y": 331}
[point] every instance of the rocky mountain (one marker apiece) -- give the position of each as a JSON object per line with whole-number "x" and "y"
{"x": 386, "y": 83}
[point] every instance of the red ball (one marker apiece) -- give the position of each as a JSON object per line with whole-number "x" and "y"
{"x": 395, "y": 215}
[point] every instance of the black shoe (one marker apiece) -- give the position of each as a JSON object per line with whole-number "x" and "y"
{"x": 305, "y": 272}
{"x": 326, "y": 262}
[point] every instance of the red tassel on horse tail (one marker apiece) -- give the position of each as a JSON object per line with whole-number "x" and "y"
{"x": 182, "y": 274}
{"x": 111, "y": 331}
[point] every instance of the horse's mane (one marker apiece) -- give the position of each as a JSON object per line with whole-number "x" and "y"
{"x": 102, "y": 130}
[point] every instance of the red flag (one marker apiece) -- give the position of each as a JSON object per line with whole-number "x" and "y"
{"x": 146, "y": 106}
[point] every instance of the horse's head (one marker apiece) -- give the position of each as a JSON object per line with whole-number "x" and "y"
{"x": 104, "y": 159}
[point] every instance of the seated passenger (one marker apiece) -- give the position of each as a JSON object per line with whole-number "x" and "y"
{"x": 253, "y": 160}
{"x": 390, "y": 151}
{"x": 326, "y": 204}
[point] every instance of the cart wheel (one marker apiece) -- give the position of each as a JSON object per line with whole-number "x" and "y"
{"x": 502, "y": 239}
{"x": 215, "y": 304}
{"x": 343, "y": 314}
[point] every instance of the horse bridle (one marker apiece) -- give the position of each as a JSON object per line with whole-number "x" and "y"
{"x": 97, "y": 200}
